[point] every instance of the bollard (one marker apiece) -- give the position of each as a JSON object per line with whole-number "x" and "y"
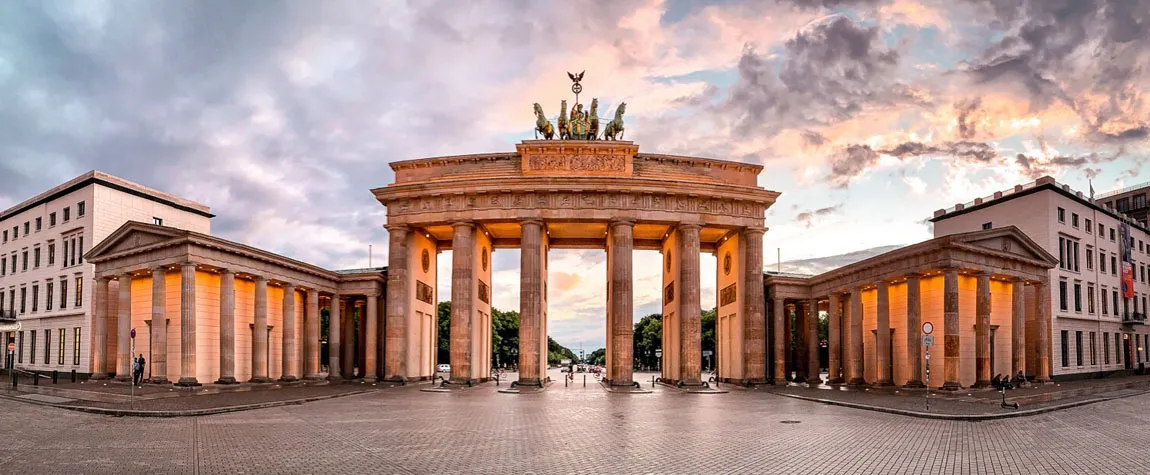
{"x": 566, "y": 381}
{"x": 15, "y": 380}
{"x": 35, "y": 378}
{"x": 584, "y": 380}
{"x": 652, "y": 380}
{"x": 73, "y": 376}
{"x": 55, "y": 376}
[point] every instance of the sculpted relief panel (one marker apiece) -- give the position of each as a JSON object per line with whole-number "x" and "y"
{"x": 567, "y": 201}
{"x": 578, "y": 162}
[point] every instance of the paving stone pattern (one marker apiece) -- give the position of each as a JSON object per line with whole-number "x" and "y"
{"x": 573, "y": 430}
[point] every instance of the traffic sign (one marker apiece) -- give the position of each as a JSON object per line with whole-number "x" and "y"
{"x": 133, "y": 334}
{"x": 11, "y": 347}
{"x": 707, "y": 352}
{"x": 927, "y": 328}
{"x": 928, "y": 340}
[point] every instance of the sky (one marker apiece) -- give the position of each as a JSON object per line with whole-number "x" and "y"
{"x": 867, "y": 115}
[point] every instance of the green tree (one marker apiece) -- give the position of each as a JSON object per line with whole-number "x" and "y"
{"x": 556, "y": 352}
{"x": 598, "y": 357}
{"x": 504, "y": 337}
{"x": 648, "y": 338}
{"x": 708, "y": 337}
{"x": 443, "y": 317}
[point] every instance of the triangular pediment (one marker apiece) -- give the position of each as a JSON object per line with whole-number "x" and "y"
{"x": 133, "y": 235}
{"x": 1008, "y": 240}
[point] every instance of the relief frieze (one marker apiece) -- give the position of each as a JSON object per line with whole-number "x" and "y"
{"x": 587, "y": 200}
{"x": 578, "y": 162}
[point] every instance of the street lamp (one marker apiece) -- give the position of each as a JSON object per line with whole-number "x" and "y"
{"x": 659, "y": 358}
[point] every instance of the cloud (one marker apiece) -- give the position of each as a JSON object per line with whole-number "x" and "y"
{"x": 819, "y": 265}
{"x": 808, "y": 218}
{"x": 850, "y": 162}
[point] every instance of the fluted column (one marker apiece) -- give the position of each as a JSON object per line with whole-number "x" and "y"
{"x": 530, "y": 302}
{"x": 622, "y": 331}
{"x": 349, "y": 359}
{"x": 834, "y": 339}
{"x": 311, "y": 344}
{"x": 188, "y": 325}
{"x": 395, "y": 330}
{"x": 124, "y": 329}
{"x": 100, "y": 330}
{"x": 159, "y": 327}
{"x": 227, "y": 327}
{"x": 813, "y": 344}
{"x": 288, "y": 348}
{"x": 754, "y": 308}
{"x": 952, "y": 344}
{"x": 1042, "y": 328}
{"x": 780, "y": 346}
{"x": 260, "y": 333}
{"x": 1018, "y": 327}
{"x": 856, "y": 347}
{"x": 882, "y": 338}
{"x": 335, "y": 344}
{"x": 690, "y": 311}
{"x": 370, "y": 338}
{"x": 914, "y": 331}
{"x": 982, "y": 331}
{"x": 462, "y": 300}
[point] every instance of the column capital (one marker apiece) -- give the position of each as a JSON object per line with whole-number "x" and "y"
{"x": 913, "y": 275}
{"x": 259, "y": 278}
{"x": 695, "y": 226}
{"x": 463, "y": 224}
{"x": 161, "y": 268}
{"x": 391, "y": 228}
{"x": 189, "y": 263}
{"x": 225, "y": 271}
{"x": 621, "y": 222}
{"x": 982, "y": 273}
{"x": 288, "y": 287}
{"x": 752, "y": 230}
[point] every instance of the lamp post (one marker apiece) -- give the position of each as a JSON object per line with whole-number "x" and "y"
{"x": 659, "y": 359}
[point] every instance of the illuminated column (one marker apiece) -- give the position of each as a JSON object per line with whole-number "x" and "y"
{"x": 982, "y": 331}
{"x": 1018, "y": 327}
{"x": 260, "y": 333}
{"x": 124, "y": 354}
{"x": 914, "y": 331}
{"x": 882, "y": 335}
{"x": 289, "y": 341}
{"x": 311, "y": 342}
{"x": 335, "y": 344}
{"x": 834, "y": 338}
{"x": 159, "y": 327}
{"x": 952, "y": 344}
{"x": 1042, "y": 322}
{"x": 100, "y": 329}
{"x": 188, "y": 325}
{"x": 227, "y": 327}
{"x": 856, "y": 346}
{"x": 395, "y": 329}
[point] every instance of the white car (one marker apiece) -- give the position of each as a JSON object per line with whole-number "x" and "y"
{"x": 443, "y": 368}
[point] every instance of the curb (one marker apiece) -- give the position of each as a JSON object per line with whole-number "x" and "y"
{"x": 955, "y": 417}
{"x": 188, "y": 413}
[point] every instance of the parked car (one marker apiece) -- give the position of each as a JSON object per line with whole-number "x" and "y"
{"x": 443, "y": 368}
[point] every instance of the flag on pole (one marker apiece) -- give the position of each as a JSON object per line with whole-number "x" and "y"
{"x": 1091, "y": 189}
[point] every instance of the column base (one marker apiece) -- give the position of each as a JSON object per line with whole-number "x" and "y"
{"x": 799, "y": 379}
{"x": 395, "y": 378}
{"x": 335, "y": 378}
{"x": 461, "y": 382}
{"x": 914, "y": 384}
{"x": 369, "y": 380}
{"x": 884, "y": 383}
{"x": 260, "y": 380}
{"x": 99, "y": 376}
{"x": 159, "y": 380}
{"x": 856, "y": 382}
{"x": 314, "y": 377}
{"x": 951, "y": 386}
{"x": 123, "y": 378}
{"x": 980, "y": 384}
{"x": 621, "y": 383}
{"x": 227, "y": 380}
{"x": 188, "y": 382}
{"x": 288, "y": 379}
{"x": 835, "y": 381}
{"x": 815, "y": 381}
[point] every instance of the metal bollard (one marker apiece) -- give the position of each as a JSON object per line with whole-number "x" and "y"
{"x": 55, "y": 376}
{"x": 566, "y": 381}
{"x": 35, "y": 378}
{"x": 15, "y": 380}
{"x": 584, "y": 380}
{"x": 73, "y": 376}
{"x": 652, "y": 380}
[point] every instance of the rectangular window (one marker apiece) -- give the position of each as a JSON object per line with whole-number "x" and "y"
{"x": 1122, "y": 204}
{"x": 1106, "y": 348}
{"x": 1065, "y": 348}
{"x": 20, "y": 348}
{"x": 5, "y": 235}
{"x": 1076, "y": 268}
{"x": 1103, "y": 301}
{"x": 157, "y": 221}
{"x": 35, "y": 298}
{"x": 4, "y": 265}
{"x": 36, "y": 257}
{"x": 15, "y": 232}
{"x": 1078, "y": 347}
{"x": 27, "y": 228}
{"x": 64, "y": 294}
{"x": 47, "y": 346}
{"x": 1102, "y": 262}
{"x": 51, "y": 219}
{"x": 24, "y": 261}
{"x": 32, "y": 349}
{"x": 67, "y": 215}
{"x": 1062, "y": 296}
{"x": 1114, "y": 265}
{"x": 48, "y": 300}
{"x": 60, "y": 345}
{"x": 1077, "y": 297}
{"x": 1089, "y": 258}
{"x": 64, "y": 249}
{"x": 1061, "y": 252}
{"x": 39, "y": 224}
{"x": 1111, "y": 234}
{"x": 1074, "y": 219}
{"x": 1089, "y": 227}
{"x": 1093, "y": 358}
{"x": 80, "y": 209}
{"x": 23, "y": 299}
{"x": 80, "y": 255}
{"x": 76, "y": 346}
{"x": 51, "y": 253}
{"x": 1061, "y": 215}
{"x": 986, "y": 226}
{"x": 73, "y": 261}
{"x": 1115, "y": 302}
{"x": 1090, "y": 298}
{"x": 79, "y": 292}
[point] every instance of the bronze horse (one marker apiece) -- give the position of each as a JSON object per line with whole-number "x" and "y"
{"x": 614, "y": 129}
{"x": 593, "y": 129}
{"x": 542, "y": 125}
{"x": 564, "y": 125}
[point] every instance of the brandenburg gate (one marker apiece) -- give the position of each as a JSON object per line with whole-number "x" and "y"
{"x": 574, "y": 194}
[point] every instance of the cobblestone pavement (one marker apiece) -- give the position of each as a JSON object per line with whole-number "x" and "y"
{"x": 573, "y": 430}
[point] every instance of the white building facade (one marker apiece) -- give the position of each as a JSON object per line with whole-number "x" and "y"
{"x": 1098, "y": 326}
{"x": 46, "y": 287}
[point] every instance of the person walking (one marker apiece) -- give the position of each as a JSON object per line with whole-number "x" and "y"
{"x": 138, "y": 370}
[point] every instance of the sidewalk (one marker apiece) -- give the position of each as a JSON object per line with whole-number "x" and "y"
{"x": 971, "y": 404}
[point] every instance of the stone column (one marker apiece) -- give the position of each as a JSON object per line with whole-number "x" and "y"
{"x": 801, "y": 360}
{"x": 952, "y": 344}
{"x": 780, "y": 346}
{"x": 187, "y": 325}
{"x": 370, "y": 337}
{"x": 159, "y": 327}
{"x": 260, "y": 334}
{"x": 1018, "y": 327}
{"x": 288, "y": 348}
{"x": 349, "y": 353}
{"x": 361, "y": 338}
{"x": 754, "y": 311}
{"x": 395, "y": 329}
{"x": 813, "y": 344}
{"x": 124, "y": 329}
{"x": 100, "y": 330}
{"x": 227, "y": 327}
{"x": 311, "y": 344}
{"x": 914, "y": 331}
{"x": 834, "y": 339}
{"x": 855, "y": 361}
{"x": 333, "y": 338}
{"x": 462, "y": 299}
{"x": 1042, "y": 322}
{"x": 882, "y": 338}
{"x": 530, "y": 302}
{"x": 622, "y": 331}
{"x": 690, "y": 317}
{"x": 982, "y": 331}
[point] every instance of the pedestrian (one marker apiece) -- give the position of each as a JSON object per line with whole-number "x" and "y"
{"x": 138, "y": 370}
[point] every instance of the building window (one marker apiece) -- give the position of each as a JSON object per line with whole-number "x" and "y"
{"x": 51, "y": 253}
{"x": 15, "y": 232}
{"x": 5, "y": 235}
{"x": 986, "y": 226}
{"x": 4, "y": 265}
{"x": 20, "y": 348}
{"x": 1077, "y": 297}
{"x": 1122, "y": 204}
{"x": 1074, "y": 219}
{"x": 1113, "y": 264}
{"x": 76, "y": 345}
{"x": 1139, "y": 201}
{"x": 51, "y": 219}
{"x": 1102, "y": 262}
{"x": 23, "y": 299}
{"x": 1115, "y": 302}
{"x": 157, "y": 221}
{"x": 67, "y": 215}
{"x": 1090, "y": 298}
{"x": 80, "y": 255}
{"x": 1062, "y": 296}
{"x": 1103, "y": 301}
{"x": 1111, "y": 234}
{"x": 1078, "y": 347}
{"x": 27, "y": 228}
{"x": 48, "y": 298}
{"x": 36, "y": 257}
{"x": 1061, "y": 252}
{"x": 1106, "y": 348}
{"x": 47, "y": 346}
{"x": 79, "y": 292}
{"x": 1076, "y": 268}
{"x": 60, "y": 345}
{"x": 35, "y": 298}
{"x": 1061, "y": 215}
{"x": 24, "y": 261}
{"x": 1065, "y": 348}
{"x": 1089, "y": 258}
{"x": 1093, "y": 359}
{"x": 64, "y": 294}
{"x": 73, "y": 261}
{"x": 80, "y": 209}
{"x": 39, "y": 223}
{"x": 1117, "y": 348}
{"x": 32, "y": 349}
{"x": 1089, "y": 226}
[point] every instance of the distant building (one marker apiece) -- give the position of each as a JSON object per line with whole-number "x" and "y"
{"x": 1130, "y": 201}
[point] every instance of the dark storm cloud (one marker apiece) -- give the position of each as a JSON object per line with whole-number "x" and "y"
{"x": 828, "y": 72}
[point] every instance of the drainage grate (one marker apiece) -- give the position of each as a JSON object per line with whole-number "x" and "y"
{"x": 789, "y": 422}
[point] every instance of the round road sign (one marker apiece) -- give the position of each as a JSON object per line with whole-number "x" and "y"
{"x": 11, "y": 347}
{"x": 927, "y": 328}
